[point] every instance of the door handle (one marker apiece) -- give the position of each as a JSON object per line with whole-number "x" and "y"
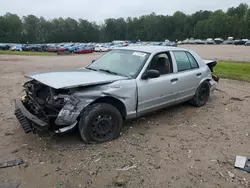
{"x": 174, "y": 80}
{"x": 199, "y": 74}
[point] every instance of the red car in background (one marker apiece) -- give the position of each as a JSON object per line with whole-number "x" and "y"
{"x": 83, "y": 50}
{"x": 52, "y": 49}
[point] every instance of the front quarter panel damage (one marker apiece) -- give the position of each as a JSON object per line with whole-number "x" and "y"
{"x": 123, "y": 90}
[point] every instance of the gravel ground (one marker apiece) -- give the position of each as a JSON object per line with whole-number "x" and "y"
{"x": 179, "y": 147}
{"x": 222, "y": 52}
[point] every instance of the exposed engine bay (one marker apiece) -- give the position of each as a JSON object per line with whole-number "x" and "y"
{"x": 43, "y": 101}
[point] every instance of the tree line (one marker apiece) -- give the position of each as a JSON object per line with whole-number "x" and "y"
{"x": 234, "y": 22}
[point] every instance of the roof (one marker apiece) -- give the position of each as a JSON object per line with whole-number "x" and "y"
{"x": 151, "y": 49}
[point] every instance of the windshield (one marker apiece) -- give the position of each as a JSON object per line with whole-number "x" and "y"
{"x": 121, "y": 62}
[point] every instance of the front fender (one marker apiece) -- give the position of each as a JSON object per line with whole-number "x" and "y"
{"x": 124, "y": 90}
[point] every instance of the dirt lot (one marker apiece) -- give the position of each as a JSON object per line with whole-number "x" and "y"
{"x": 222, "y": 52}
{"x": 180, "y": 147}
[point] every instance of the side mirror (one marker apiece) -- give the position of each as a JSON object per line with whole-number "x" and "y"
{"x": 151, "y": 74}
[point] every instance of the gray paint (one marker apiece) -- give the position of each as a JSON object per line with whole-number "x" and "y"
{"x": 73, "y": 78}
{"x": 123, "y": 90}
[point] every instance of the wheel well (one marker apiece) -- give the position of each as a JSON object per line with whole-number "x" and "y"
{"x": 114, "y": 102}
{"x": 208, "y": 80}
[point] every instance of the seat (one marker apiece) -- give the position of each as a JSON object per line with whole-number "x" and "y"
{"x": 163, "y": 65}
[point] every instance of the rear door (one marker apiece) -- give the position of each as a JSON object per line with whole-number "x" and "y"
{"x": 188, "y": 73}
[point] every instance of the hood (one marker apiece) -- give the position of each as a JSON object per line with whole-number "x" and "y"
{"x": 74, "y": 78}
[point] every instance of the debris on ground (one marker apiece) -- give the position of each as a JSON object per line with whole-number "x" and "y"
{"x": 236, "y": 99}
{"x": 97, "y": 160}
{"x": 221, "y": 174}
{"x": 9, "y": 133}
{"x": 126, "y": 168}
{"x": 120, "y": 182}
{"x": 230, "y": 174}
{"x": 25, "y": 165}
{"x": 242, "y": 163}
{"x": 11, "y": 163}
{"x": 58, "y": 169}
{"x": 15, "y": 151}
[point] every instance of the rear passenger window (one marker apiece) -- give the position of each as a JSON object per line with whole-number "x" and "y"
{"x": 185, "y": 61}
{"x": 192, "y": 61}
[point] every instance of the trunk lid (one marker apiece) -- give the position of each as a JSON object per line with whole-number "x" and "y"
{"x": 211, "y": 64}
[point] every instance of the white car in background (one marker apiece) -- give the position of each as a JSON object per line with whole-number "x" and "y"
{"x": 101, "y": 48}
{"x": 210, "y": 41}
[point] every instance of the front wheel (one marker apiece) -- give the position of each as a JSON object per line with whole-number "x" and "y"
{"x": 202, "y": 95}
{"x": 100, "y": 122}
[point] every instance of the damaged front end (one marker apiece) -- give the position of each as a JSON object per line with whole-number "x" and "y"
{"x": 39, "y": 107}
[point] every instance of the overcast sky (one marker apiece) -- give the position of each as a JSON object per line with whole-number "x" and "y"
{"x": 98, "y": 10}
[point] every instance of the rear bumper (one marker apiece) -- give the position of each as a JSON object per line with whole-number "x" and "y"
{"x": 28, "y": 121}
{"x": 213, "y": 85}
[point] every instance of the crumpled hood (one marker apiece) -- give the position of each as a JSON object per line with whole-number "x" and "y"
{"x": 74, "y": 78}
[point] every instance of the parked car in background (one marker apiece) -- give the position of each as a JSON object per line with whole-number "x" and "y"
{"x": 62, "y": 49}
{"x": 17, "y": 47}
{"x": 101, "y": 48}
{"x": 191, "y": 41}
{"x": 35, "y": 47}
{"x": 230, "y": 40}
{"x": 169, "y": 43}
{"x": 27, "y": 47}
{"x": 4, "y": 47}
{"x": 73, "y": 48}
{"x": 13, "y": 47}
{"x": 92, "y": 47}
{"x": 52, "y": 48}
{"x": 240, "y": 41}
{"x": 179, "y": 42}
{"x": 126, "y": 83}
{"x": 199, "y": 41}
{"x": 218, "y": 40}
{"x": 83, "y": 50}
{"x": 210, "y": 41}
{"x": 247, "y": 43}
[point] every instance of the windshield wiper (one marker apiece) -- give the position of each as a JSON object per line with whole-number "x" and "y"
{"x": 108, "y": 71}
{"x": 91, "y": 69}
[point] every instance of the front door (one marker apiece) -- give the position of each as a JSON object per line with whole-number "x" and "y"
{"x": 156, "y": 93}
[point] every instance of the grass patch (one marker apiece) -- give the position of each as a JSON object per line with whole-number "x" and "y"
{"x": 233, "y": 70}
{"x": 8, "y": 52}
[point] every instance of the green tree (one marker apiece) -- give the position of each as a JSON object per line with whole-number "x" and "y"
{"x": 202, "y": 24}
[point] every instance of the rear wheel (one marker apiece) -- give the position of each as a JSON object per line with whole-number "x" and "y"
{"x": 100, "y": 122}
{"x": 202, "y": 95}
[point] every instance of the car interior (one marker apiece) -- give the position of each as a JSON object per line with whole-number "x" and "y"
{"x": 162, "y": 63}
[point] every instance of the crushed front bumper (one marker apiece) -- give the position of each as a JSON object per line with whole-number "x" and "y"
{"x": 28, "y": 121}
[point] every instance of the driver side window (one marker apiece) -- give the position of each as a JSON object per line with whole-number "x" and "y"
{"x": 162, "y": 63}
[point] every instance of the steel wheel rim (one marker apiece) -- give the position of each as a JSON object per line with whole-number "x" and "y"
{"x": 203, "y": 94}
{"x": 102, "y": 127}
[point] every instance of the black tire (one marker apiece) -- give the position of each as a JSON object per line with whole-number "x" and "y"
{"x": 202, "y": 95}
{"x": 100, "y": 122}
